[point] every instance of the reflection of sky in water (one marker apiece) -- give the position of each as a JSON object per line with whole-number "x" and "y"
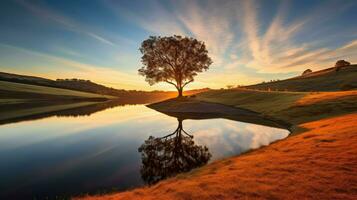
{"x": 227, "y": 138}
{"x": 67, "y": 155}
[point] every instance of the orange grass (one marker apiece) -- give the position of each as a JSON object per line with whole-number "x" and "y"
{"x": 320, "y": 163}
{"x": 325, "y": 96}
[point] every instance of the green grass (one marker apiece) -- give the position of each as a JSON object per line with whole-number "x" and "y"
{"x": 26, "y": 88}
{"x": 287, "y": 106}
{"x": 324, "y": 80}
{"x": 19, "y": 100}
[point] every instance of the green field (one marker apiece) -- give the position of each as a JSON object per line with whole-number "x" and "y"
{"x": 323, "y": 80}
{"x": 19, "y": 100}
{"x": 292, "y": 107}
{"x": 26, "y": 88}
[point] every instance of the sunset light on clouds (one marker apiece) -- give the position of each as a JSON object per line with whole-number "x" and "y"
{"x": 248, "y": 41}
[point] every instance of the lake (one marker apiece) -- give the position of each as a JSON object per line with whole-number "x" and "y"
{"x": 118, "y": 148}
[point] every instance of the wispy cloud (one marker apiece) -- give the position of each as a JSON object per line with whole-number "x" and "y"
{"x": 47, "y": 13}
{"x": 275, "y": 51}
{"x": 213, "y": 27}
{"x": 155, "y": 18}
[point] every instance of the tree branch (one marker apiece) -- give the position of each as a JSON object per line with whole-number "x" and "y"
{"x": 187, "y": 83}
{"x": 172, "y": 84}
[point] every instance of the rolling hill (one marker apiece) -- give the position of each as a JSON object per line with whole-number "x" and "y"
{"x": 323, "y": 80}
{"x": 136, "y": 96}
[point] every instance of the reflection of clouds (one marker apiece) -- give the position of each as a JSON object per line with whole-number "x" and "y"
{"x": 121, "y": 120}
{"x": 227, "y": 138}
{"x": 263, "y": 136}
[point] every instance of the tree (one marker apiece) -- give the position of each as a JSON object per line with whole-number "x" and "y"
{"x": 308, "y": 71}
{"x": 169, "y": 155}
{"x": 175, "y": 60}
{"x": 341, "y": 63}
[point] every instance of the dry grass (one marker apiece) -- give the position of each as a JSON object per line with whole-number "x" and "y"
{"x": 318, "y": 97}
{"x": 317, "y": 164}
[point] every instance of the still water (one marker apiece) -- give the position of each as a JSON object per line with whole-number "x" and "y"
{"x": 117, "y": 148}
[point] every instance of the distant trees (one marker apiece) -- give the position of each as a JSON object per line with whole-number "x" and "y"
{"x": 229, "y": 87}
{"x": 341, "y": 63}
{"x": 175, "y": 60}
{"x": 308, "y": 71}
{"x": 72, "y": 80}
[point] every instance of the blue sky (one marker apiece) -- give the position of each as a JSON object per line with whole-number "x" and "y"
{"x": 249, "y": 41}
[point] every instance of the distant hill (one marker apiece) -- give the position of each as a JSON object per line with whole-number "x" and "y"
{"x": 91, "y": 87}
{"x": 323, "y": 80}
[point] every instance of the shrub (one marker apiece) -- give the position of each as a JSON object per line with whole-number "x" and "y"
{"x": 308, "y": 71}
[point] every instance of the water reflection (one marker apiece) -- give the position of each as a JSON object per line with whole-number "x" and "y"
{"x": 99, "y": 151}
{"x": 71, "y": 112}
{"x": 166, "y": 156}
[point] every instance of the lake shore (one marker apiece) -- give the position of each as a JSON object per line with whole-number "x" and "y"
{"x": 191, "y": 108}
{"x": 317, "y": 163}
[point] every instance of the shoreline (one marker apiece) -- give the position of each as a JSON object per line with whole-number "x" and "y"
{"x": 189, "y": 108}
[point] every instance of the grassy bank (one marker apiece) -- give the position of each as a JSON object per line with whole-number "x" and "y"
{"x": 292, "y": 107}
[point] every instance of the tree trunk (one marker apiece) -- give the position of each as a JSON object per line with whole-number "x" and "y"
{"x": 179, "y": 92}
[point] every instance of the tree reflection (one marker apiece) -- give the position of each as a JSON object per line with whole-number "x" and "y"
{"x": 169, "y": 155}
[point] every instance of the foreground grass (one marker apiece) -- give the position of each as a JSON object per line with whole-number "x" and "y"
{"x": 292, "y": 107}
{"x": 317, "y": 164}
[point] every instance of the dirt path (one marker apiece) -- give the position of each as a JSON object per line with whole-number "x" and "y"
{"x": 317, "y": 164}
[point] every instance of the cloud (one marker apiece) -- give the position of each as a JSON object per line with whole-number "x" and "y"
{"x": 275, "y": 50}
{"x": 155, "y": 18}
{"x": 46, "y": 13}
{"x": 213, "y": 27}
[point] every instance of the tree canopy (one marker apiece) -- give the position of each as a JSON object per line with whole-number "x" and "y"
{"x": 175, "y": 60}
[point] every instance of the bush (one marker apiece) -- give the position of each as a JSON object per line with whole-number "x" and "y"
{"x": 341, "y": 63}
{"x": 308, "y": 71}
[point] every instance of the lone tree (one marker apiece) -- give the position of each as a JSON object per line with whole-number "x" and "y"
{"x": 175, "y": 60}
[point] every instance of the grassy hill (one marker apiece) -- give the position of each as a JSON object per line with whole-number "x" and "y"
{"x": 323, "y": 80}
{"x": 87, "y": 86}
{"x": 292, "y": 107}
{"x": 11, "y": 90}
{"x": 18, "y": 100}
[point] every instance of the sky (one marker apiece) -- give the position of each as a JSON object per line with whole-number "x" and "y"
{"x": 249, "y": 41}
